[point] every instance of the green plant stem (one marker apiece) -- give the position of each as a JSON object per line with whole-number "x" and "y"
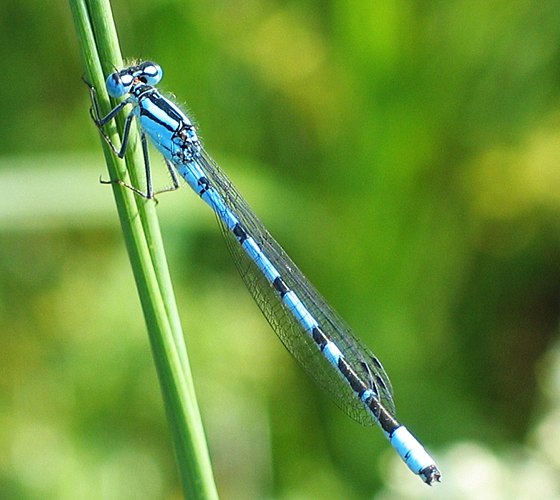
{"x": 100, "y": 50}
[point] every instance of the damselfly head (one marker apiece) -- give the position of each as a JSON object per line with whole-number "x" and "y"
{"x": 120, "y": 82}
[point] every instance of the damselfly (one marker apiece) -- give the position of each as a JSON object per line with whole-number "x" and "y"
{"x": 309, "y": 328}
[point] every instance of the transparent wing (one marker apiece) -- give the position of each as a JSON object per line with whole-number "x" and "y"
{"x": 299, "y": 343}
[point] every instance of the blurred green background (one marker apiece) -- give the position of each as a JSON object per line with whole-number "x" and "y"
{"x": 405, "y": 154}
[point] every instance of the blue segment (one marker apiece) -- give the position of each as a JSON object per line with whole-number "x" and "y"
{"x": 410, "y": 450}
{"x": 332, "y": 353}
{"x": 307, "y": 325}
{"x": 301, "y": 314}
{"x": 191, "y": 173}
{"x": 368, "y": 394}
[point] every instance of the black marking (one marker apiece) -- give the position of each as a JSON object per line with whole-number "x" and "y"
{"x": 170, "y": 112}
{"x": 388, "y": 423}
{"x": 186, "y": 132}
{"x": 430, "y": 474}
{"x": 381, "y": 383}
{"x": 384, "y": 417}
{"x": 319, "y": 337}
{"x": 204, "y": 183}
{"x": 280, "y": 286}
{"x": 375, "y": 381}
{"x": 155, "y": 119}
{"x": 240, "y": 233}
{"x": 358, "y": 385}
{"x": 376, "y": 362}
{"x": 366, "y": 369}
{"x": 167, "y": 107}
{"x": 351, "y": 376}
{"x": 188, "y": 150}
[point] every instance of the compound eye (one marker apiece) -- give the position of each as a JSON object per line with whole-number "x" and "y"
{"x": 150, "y": 73}
{"x": 119, "y": 83}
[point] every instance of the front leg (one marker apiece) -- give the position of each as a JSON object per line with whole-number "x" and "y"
{"x": 100, "y": 121}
